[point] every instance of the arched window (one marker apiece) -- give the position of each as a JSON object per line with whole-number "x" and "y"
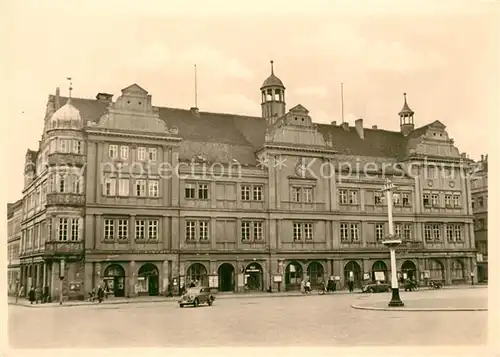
{"x": 436, "y": 270}
{"x": 457, "y": 270}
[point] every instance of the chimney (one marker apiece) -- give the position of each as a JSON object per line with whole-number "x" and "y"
{"x": 195, "y": 111}
{"x": 345, "y": 126}
{"x": 374, "y": 127}
{"x": 104, "y": 97}
{"x": 482, "y": 157}
{"x": 359, "y": 128}
{"x": 57, "y": 103}
{"x": 334, "y": 122}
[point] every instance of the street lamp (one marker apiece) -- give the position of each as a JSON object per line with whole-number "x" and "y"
{"x": 392, "y": 242}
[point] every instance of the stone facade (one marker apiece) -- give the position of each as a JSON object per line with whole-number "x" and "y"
{"x": 479, "y": 184}
{"x": 145, "y": 199}
{"x": 14, "y": 213}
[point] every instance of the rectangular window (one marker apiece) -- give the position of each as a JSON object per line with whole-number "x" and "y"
{"x": 62, "y": 185}
{"x": 203, "y": 191}
{"x": 456, "y": 200}
{"x": 342, "y": 196}
{"x": 245, "y": 231}
{"x": 110, "y": 187}
{"x": 447, "y": 200}
{"x": 153, "y": 188}
{"x": 153, "y": 229}
{"x": 152, "y": 154}
{"x": 63, "y": 229}
{"x": 245, "y": 193}
{"x": 257, "y": 193}
{"x": 189, "y": 190}
{"x": 379, "y": 231}
{"x": 109, "y": 229}
{"x": 397, "y": 229}
{"x": 75, "y": 229}
{"x": 308, "y": 231}
{"x": 76, "y": 184}
{"x": 426, "y": 200}
{"x": 449, "y": 232}
{"x": 257, "y": 231}
{"x": 49, "y": 230}
{"x": 435, "y": 200}
{"x": 480, "y": 202}
{"x": 140, "y": 229}
{"x": 124, "y": 152}
{"x": 140, "y": 188}
{"x": 122, "y": 229}
{"x": 344, "y": 232}
{"x": 297, "y": 232}
{"x": 113, "y": 151}
{"x": 307, "y": 191}
{"x": 472, "y": 203}
{"x": 396, "y": 197}
{"x": 406, "y": 199}
{"x": 354, "y": 232}
{"x": 377, "y": 197}
{"x": 436, "y": 232}
{"x": 353, "y": 197}
{"x": 428, "y": 232}
{"x": 190, "y": 230}
{"x": 203, "y": 230}
{"x": 63, "y": 145}
{"x": 407, "y": 232}
{"x": 296, "y": 194}
{"x": 431, "y": 172}
{"x": 141, "y": 154}
{"x": 123, "y": 187}
{"x": 458, "y": 233}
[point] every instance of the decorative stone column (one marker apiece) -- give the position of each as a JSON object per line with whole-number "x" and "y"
{"x": 132, "y": 280}
{"x": 165, "y": 278}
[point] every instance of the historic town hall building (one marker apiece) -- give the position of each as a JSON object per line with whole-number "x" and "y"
{"x": 141, "y": 198}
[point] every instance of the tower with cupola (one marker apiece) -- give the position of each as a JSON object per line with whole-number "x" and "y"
{"x": 406, "y": 122}
{"x": 273, "y": 98}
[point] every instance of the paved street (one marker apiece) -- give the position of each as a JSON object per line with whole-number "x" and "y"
{"x": 320, "y": 320}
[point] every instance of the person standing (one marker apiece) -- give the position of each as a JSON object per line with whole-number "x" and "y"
{"x": 38, "y": 295}
{"x": 100, "y": 294}
{"x": 350, "y": 284}
{"x": 31, "y": 295}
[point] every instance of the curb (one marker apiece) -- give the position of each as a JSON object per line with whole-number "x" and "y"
{"x": 410, "y": 309}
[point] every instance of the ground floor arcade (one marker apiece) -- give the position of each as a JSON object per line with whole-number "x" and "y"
{"x": 130, "y": 275}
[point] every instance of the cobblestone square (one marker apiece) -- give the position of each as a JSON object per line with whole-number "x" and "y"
{"x": 318, "y": 320}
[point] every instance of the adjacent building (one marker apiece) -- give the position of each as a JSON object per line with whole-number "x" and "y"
{"x": 14, "y": 214}
{"x": 479, "y": 184}
{"x": 145, "y": 198}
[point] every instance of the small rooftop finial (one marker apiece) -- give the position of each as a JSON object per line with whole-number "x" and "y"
{"x": 406, "y": 111}
{"x": 272, "y": 67}
{"x": 70, "y": 86}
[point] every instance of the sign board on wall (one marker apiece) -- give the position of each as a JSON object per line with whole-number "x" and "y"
{"x": 427, "y": 274}
{"x": 351, "y": 274}
{"x": 277, "y": 278}
{"x": 337, "y": 278}
{"x": 379, "y": 276}
{"x": 213, "y": 281}
{"x": 366, "y": 276}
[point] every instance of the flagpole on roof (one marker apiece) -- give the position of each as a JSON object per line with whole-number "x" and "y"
{"x": 195, "y": 88}
{"x": 342, "y": 100}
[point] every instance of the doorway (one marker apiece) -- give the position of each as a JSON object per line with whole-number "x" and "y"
{"x": 226, "y": 277}
{"x": 147, "y": 280}
{"x": 114, "y": 275}
{"x": 409, "y": 269}
{"x": 352, "y": 271}
{"x": 254, "y": 277}
{"x": 379, "y": 271}
{"x": 294, "y": 275}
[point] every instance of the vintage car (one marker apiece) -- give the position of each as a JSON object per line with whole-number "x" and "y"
{"x": 376, "y": 287}
{"x": 196, "y": 296}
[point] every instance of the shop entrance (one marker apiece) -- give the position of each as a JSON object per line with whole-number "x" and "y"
{"x": 147, "y": 280}
{"x": 226, "y": 277}
{"x": 254, "y": 277}
{"x": 114, "y": 277}
{"x": 352, "y": 271}
{"x": 379, "y": 271}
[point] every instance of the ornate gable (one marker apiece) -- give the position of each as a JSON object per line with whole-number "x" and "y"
{"x": 133, "y": 111}
{"x": 433, "y": 140}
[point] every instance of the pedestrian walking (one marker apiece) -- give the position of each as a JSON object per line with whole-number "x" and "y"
{"x": 31, "y": 295}
{"x": 308, "y": 287}
{"x": 38, "y": 295}
{"x": 100, "y": 294}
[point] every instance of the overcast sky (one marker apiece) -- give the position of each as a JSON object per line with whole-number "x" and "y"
{"x": 444, "y": 54}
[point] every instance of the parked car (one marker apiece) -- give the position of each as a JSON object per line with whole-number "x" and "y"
{"x": 410, "y": 285}
{"x": 196, "y": 296}
{"x": 376, "y": 287}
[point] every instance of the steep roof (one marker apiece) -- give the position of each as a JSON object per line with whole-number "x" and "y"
{"x": 230, "y": 136}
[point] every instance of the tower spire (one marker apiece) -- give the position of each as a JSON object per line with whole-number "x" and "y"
{"x": 406, "y": 122}
{"x": 70, "y": 86}
{"x": 272, "y": 67}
